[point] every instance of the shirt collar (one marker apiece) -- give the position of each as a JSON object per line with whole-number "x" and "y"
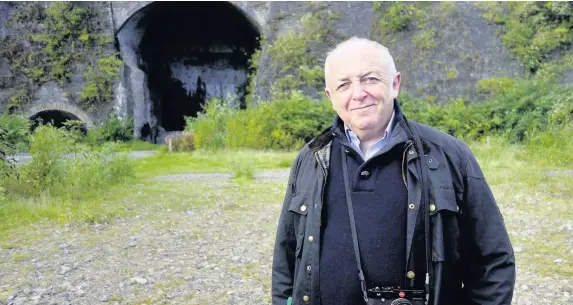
{"x": 352, "y": 137}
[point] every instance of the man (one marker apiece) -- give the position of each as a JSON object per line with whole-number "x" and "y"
{"x": 379, "y": 203}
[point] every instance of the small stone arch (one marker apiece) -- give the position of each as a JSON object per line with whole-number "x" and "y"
{"x": 75, "y": 111}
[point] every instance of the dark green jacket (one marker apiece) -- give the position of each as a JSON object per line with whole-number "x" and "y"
{"x": 472, "y": 257}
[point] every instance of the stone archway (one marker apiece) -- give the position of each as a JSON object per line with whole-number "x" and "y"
{"x": 59, "y": 112}
{"x": 179, "y": 55}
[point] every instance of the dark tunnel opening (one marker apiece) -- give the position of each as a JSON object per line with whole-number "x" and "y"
{"x": 56, "y": 118}
{"x": 192, "y": 52}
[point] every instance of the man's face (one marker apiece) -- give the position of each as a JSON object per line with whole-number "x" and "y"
{"x": 358, "y": 85}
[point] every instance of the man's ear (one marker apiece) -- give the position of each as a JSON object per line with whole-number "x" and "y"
{"x": 327, "y": 92}
{"x": 396, "y": 85}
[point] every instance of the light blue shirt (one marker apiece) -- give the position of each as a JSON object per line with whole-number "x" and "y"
{"x": 355, "y": 141}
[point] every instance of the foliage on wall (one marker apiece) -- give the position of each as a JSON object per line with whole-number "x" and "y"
{"x": 55, "y": 40}
{"x": 532, "y": 30}
{"x": 292, "y": 55}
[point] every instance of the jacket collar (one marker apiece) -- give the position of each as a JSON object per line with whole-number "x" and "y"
{"x": 400, "y": 130}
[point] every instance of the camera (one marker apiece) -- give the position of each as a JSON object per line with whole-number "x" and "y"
{"x": 395, "y": 296}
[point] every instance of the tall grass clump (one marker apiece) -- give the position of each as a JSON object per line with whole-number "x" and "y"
{"x": 63, "y": 168}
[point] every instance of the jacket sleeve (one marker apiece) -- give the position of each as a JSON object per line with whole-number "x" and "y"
{"x": 284, "y": 249}
{"x": 490, "y": 274}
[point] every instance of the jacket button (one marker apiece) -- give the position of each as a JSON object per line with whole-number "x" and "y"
{"x": 411, "y": 152}
{"x": 308, "y": 268}
{"x": 303, "y": 207}
{"x": 310, "y": 238}
{"x": 305, "y": 298}
{"x": 365, "y": 174}
{"x": 432, "y": 207}
{"x": 410, "y": 274}
{"x": 411, "y": 206}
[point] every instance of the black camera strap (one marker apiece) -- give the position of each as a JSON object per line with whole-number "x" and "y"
{"x": 425, "y": 206}
{"x": 353, "y": 225}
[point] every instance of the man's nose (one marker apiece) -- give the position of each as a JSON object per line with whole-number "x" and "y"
{"x": 358, "y": 92}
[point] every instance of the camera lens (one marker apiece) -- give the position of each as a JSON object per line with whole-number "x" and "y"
{"x": 400, "y": 302}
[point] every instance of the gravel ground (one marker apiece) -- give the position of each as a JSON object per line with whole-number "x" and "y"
{"x": 215, "y": 254}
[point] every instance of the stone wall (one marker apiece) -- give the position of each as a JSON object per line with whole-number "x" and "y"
{"x": 463, "y": 49}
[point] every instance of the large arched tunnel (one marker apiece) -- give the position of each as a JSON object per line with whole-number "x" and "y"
{"x": 190, "y": 52}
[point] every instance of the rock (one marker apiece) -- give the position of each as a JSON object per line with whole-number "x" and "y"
{"x": 65, "y": 269}
{"x": 20, "y": 301}
{"x": 105, "y": 298}
{"x": 138, "y": 280}
{"x": 80, "y": 292}
{"x": 10, "y": 298}
{"x": 130, "y": 245}
{"x": 558, "y": 261}
{"x": 518, "y": 249}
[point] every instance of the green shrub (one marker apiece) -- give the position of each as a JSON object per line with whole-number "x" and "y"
{"x": 62, "y": 167}
{"x": 209, "y": 125}
{"x": 17, "y": 129}
{"x": 517, "y": 111}
{"x": 6, "y": 148}
{"x": 113, "y": 129}
{"x": 281, "y": 124}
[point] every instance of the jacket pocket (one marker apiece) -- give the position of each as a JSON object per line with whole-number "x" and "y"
{"x": 299, "y": 206}
{"x": 444, "y": 213}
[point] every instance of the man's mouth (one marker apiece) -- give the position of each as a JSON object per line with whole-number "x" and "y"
{"x": 358, "y": 108}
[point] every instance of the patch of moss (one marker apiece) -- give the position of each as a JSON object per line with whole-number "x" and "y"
{"x": 425, "y": 40}
{"x": 452, "y": 73}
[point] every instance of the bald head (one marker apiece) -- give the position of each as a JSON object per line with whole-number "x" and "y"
{"x": 354, "y": 44}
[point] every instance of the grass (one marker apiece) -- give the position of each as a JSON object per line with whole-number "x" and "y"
{"x": 118, "y": 200}
{"x": 139, "y": 145}
{"x": 535, "y": 205}
{"x": 240, "y": 162}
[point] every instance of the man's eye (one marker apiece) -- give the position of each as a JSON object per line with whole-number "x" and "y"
{"x": 341, "y": 86}
{"x": 371, "y": 79}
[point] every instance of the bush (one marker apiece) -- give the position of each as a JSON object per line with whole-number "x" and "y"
{"x": 209, "y": 125}
{"x": 282, "y": 124}
{"x": 6, "y": 148}
{"x": 184, "y": 142}
{"x": 516, "y": 111}
{"x": 62, "y": 167}
{"x": 111, "y": 130}
{"x": 16, "y": 130}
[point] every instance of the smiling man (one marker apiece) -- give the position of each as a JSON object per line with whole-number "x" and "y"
{"x": 383, "y": 210}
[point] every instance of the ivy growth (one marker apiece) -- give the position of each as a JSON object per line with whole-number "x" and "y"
{"x": 532, "y": 30}
{"x": 55, "y": 40}
{"x": 292, "y": 56}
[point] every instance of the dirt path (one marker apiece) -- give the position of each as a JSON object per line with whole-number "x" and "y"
{"x": 23, "y": 158}
{"x": 217, "y": 253}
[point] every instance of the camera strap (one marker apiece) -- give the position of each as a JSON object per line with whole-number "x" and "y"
{"x": 425, "y": 206}
{"x": 353, "y": 225}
